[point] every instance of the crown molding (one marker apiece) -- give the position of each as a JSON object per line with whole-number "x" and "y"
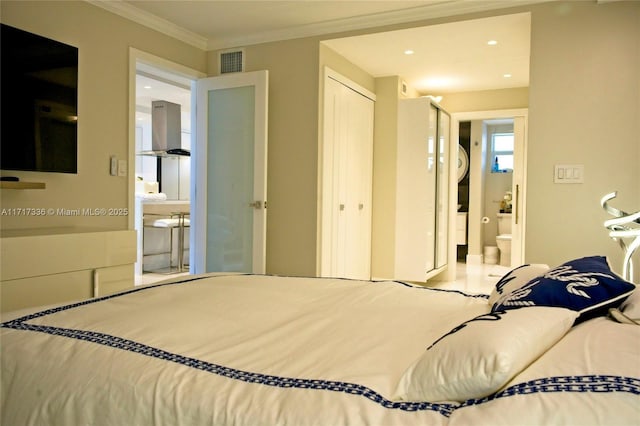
{"x": 151, "y": 21}
{"x": 433, "y": 10}
{"x": 436, "y": 9}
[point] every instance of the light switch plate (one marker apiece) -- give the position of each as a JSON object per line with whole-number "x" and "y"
{"x": 113, "y": 166}
{"x": 122, "y": 167}
{"x": 568, "y": 173}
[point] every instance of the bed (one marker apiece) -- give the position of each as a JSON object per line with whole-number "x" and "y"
{"x": 239, "y": 349}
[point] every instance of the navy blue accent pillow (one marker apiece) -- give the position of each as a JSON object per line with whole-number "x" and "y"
{"x": 515, "y": 279}
{"x": 585, "y": 285}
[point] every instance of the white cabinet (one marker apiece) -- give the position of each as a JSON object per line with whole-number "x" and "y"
{"x": 56, "y": 265}
{"x": 421, "y": 203}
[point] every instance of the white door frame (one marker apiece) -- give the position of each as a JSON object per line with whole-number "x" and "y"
{"x": 324, "y": 246}
{"x": 520, "y": 177}
{"x": 169, "y": 69}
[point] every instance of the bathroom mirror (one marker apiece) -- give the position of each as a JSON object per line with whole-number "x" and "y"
{"x": 463, "y": 162}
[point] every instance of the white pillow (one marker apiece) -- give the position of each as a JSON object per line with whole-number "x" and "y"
{"x": 515, "y": 279}
{"x": 631, "y": 306}
{"x": 481, "y": 355}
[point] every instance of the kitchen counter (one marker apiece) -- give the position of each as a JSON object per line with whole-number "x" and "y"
{"x": 166, "y": 207}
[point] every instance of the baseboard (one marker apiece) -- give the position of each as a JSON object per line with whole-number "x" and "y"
{"x": 475, "y": 259}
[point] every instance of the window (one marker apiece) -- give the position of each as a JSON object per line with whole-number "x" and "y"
{"x": 502, "y": 152}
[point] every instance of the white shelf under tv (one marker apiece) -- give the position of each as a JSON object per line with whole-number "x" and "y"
{"x": 7, "y": 184}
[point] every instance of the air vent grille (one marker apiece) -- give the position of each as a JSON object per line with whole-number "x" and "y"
{"x": 232, "y": 61}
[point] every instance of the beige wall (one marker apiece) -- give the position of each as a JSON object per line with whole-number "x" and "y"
{"x": 341, "y": 65}
{"x": 486, "y": 100}
{"x": 584, "y": 100}
{"x": 384, "y": 176}
{"x": 295, "y": 83}
{"x": 578, "y": 113}
{"x": 292, "y": 152}
{"x": 103, "y": 40}
{"x": 583, "y": 109}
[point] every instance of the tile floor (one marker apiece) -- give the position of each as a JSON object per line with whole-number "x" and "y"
{"x": 472, "y": 279}
{"x": 152, "y": 277}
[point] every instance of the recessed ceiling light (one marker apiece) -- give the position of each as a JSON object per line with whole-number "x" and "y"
{"x": 492, "y": 42}
{"x": 439, "y": 82}
{"x": 408, "y": 52}
{"x": 147, "y": 87}
{"x": 507, "y": 75}
{"x": 436, "y": 99}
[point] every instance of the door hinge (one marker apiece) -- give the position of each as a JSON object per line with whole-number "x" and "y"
{"x": 256, "y": 205}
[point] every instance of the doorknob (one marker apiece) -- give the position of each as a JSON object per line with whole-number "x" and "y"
{"x": 257, "y": 205}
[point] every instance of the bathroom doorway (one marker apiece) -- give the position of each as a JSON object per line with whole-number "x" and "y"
{"x": 481, "y": 193}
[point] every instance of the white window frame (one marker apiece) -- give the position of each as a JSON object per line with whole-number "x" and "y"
{"x": 495, "y": 153}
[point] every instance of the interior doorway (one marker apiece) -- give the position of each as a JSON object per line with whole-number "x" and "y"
{"x": 160, "y": 180}
{"x": 480, "y": 204}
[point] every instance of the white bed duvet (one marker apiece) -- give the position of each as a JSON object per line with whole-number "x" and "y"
{"x": 267, "y": 350}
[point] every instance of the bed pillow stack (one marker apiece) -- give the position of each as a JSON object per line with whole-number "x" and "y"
{"x": 478, "y": 357}
{"x": 586, "y": 285}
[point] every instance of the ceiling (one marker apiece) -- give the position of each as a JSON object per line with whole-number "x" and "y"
{"x": 447, "y": 58}
{"x": 240, "y": 22}
{"x": 454, "y": 57}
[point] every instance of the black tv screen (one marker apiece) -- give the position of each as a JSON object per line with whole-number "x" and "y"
{"x": 39, "y": 91}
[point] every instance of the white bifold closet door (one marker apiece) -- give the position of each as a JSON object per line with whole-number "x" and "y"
{"x": 347, "y": 163}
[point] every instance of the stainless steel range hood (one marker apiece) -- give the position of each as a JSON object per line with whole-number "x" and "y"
{"x": 166, "y": 129}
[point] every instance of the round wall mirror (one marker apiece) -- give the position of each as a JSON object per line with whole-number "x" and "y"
{"x": 463, "y": 163}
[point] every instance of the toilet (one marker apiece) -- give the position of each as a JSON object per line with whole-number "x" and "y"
{"x": 503, "y": 239}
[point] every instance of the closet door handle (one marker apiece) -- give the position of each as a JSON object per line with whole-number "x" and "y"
{"x": 96, "y": 283}
{"x": 517, "y": 201}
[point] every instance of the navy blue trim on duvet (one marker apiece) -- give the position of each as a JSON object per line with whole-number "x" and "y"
{"x": 444, "y": 290}
{"x": 587, "y": 383}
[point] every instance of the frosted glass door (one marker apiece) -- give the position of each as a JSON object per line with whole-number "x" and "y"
{"x": 230, "y": 159}
{"x": 230, "y": 180}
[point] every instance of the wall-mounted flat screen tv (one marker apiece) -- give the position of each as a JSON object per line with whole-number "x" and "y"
{"x": 39, "y": 91}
